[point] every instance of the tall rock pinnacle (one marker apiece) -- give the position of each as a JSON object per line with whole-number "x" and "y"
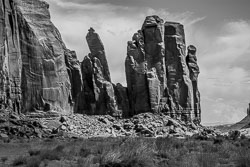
{"x": 98, "y": 96}
{"x": 158, "y": 76}
{"x": 194, "y": 72}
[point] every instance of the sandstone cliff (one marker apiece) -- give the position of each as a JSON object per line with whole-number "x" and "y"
{"x": 160, "y": 77}
{"x": 33, "y": 56}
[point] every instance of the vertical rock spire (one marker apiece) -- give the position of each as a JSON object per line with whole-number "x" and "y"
{"x": 194, "y": 72}
{"x": 157, "y": 73}
{"x": 98, "y": 95}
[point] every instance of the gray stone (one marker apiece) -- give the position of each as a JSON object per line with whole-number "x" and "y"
{"x": 158, "y": 77}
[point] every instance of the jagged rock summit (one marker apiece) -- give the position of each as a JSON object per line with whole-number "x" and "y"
{"x": 160, "y": 76}
{"x": 40, "y": 74}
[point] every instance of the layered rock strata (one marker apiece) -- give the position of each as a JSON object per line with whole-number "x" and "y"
{"x": 159, "y": 76}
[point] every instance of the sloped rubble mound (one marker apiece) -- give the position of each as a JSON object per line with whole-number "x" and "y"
{"x": 50, "y": 125}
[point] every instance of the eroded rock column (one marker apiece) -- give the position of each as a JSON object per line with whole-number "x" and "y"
{"x": 98, "y": 96}
{"x": 194, "y": 72}
{"x": 179, "y": 83}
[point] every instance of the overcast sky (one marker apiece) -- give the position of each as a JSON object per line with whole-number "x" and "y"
{"x": 220, "y": 29}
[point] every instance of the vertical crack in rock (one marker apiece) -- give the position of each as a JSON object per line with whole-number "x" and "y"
{"x": 75, "y": 75}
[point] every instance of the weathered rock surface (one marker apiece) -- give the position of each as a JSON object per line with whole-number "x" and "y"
{"x": 121, "y": 94}
{"x": 75, "y": 75}
{"x": 179, "y": 83}
{"x": 33, "y": 67}
{"x": 194, "y": 72}
{"x": 158, "y": 76}
{"x": 10, "y": 57}
{"x": 98, "y": 95}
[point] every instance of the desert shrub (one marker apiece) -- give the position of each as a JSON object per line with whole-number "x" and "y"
{"x": 84, "y": 152}
{"x": 209, "y": 147}
{"x": 219, "y": 140}
{"x": 135, "y": 152}
{"x": 33, "y": 162}
{"x": 50, "y": 155}
{"x": 243, "y": 137}
{"x": 4, "y": 159}
{"x": 242, "y": 158}
{"x": 234, "y": 134}
{"x": 207, "y": 159}
{"x": 21, "y": 160}
{"x": 34, "y": 152}
{"x": 86, "y": 162}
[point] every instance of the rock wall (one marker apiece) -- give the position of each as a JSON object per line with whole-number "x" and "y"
{"x": 33, "y": 67}
{"x": 10, "y": 57}
{"x": 160, "y": 77}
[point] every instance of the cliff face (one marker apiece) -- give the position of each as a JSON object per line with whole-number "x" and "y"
{"x": 160, "y": 77}
{"x": 38, "y": 72}
{"x": 33, "y": 59}
{"x": 10, "y": 57}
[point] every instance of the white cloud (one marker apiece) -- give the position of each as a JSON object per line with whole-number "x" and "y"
{"x": 224, "y": 73}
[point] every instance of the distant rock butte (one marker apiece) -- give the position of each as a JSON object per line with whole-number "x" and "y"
{"x": 39, "y": 73}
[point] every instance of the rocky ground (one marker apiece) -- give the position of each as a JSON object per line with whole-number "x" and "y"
{"x": 51, "y": 124}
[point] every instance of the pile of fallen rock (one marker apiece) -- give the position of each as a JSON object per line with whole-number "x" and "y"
{"x": 52, "y": 124}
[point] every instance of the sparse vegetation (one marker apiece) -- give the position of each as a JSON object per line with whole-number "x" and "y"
{"x": 141, "y": 152}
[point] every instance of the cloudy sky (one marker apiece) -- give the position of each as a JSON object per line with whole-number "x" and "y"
{"x": 220, "y": 29}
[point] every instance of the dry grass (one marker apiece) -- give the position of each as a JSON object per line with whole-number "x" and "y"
{"x": 142, "y": 152}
